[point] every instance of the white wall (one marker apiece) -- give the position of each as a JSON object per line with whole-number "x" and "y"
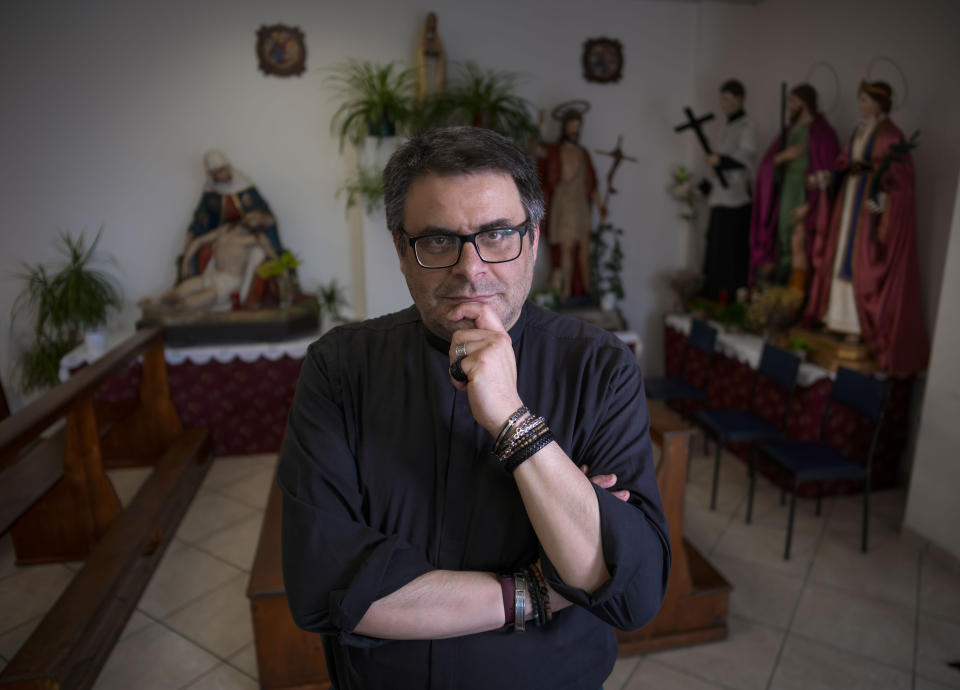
{"x": 932, "y": 506}
{"x": 108, "y": 106}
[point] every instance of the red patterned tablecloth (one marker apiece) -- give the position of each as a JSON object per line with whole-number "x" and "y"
{"x": 244, "y": 404}
{"x": 728, "y": 387}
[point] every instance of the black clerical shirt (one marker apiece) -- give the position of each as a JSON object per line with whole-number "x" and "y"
{"x": 386, "y": 476}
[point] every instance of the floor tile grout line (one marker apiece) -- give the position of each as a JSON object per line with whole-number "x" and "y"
{"x": 916, "y": 616}
{"x": 803, "y": 588}
{"x": 259, "y": 513}
{"x": 197, "y": 598}
{"x": 690, "y": 674}
{"x": 871, "y": 660}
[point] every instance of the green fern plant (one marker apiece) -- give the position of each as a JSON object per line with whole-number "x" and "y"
{"x": 62, "y": 305}
{"x": 377, "y": 100}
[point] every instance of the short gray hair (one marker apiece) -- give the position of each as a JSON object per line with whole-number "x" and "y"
{"x": 452, "y": 151}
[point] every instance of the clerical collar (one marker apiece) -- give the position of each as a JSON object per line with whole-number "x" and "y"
{"x": 438, "y": 343}
{"x": 736, "y": 116}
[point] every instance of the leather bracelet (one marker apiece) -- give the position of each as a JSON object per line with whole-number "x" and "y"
{"x": 544, "y": 592}
{"x": 506, "y": 589}
{"x": 508, "y": 425}
{"x": 529, "y": 451}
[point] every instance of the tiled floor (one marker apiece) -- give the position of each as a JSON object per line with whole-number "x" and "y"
{"x": 831, "y": 617}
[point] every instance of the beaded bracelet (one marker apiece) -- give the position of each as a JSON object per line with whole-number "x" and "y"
{"x": 529, "y": 437}
{"x": 529, "y": 426}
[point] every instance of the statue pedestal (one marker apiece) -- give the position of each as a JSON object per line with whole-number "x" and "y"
{"x": 188, "y": 328}
{"x": 830, "y": 351}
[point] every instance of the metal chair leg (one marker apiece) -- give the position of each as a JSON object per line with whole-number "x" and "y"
{"x": 783, "y": 496}
{"x": 753, "y": 484}
{"x": 793, "y": 508}
{"x": 716, "y": 476}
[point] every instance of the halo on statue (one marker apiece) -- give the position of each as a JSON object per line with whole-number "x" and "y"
{"x": 824, "y": 78}
{"x": 578, "y": 106}
{"x": 881, "y": 68}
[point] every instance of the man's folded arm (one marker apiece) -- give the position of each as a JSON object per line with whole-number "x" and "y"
{"x": 634, "y": 534}
{"x": 342, "y": 577}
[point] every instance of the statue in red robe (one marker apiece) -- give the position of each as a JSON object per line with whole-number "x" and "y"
{"x": 866, "y": 279}
{"x": 569, "y": 185}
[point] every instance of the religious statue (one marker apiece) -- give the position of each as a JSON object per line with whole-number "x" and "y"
{"x": 865, "y": 274}
{"x": 430, "y": 60}
{"x": 727, "y": 258}
{"x": 228, "y": 195}
{"x": 570, "y": 184}
{"x": 237, "y": 249}
{"x": 792, "y": 202}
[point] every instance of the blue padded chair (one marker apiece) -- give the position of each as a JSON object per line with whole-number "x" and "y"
{"x": 816, "y": 461}
{"x": 703, "y": 337}
{"x": 745, "y": 426}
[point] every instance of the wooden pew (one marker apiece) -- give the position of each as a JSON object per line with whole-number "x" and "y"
{"x": 697, "y": 601}
{"x": 60, "y": 505}
{"x": 287, "y": 656}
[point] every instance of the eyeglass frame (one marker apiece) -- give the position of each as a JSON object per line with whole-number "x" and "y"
{"x": 466, "y": 239}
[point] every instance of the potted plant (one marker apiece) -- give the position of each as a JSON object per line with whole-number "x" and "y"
{"x": 366, "y": 186}
{"x": 377, "y": 99}
{"x": 332, "y": 298}
{"x": 63, "y": 305}
{"x": 607, "y": 263}
{"x": 485, "y": 99}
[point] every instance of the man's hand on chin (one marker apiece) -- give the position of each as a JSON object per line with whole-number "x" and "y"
{"x": 490, "y": 365}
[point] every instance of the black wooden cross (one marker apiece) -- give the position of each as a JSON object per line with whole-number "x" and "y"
{"x": 695, "y": 124}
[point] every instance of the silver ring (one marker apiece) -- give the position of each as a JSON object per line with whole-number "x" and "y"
{"x": 460, "y": 350}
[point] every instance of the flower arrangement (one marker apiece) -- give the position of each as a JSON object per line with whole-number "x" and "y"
{"x": 774, "y": 308}
{"x": 683, "y": 191}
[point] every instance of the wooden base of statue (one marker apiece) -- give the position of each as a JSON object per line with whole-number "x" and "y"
{"x": 189, "y": 328}
{"x": 698, "y": 596}
{"x": 287, "y": 656}
{"x": 831, "y": 350}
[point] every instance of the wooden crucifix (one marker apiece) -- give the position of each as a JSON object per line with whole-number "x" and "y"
{"x": 696, "y": 124}
{"x": 618, "y": 157}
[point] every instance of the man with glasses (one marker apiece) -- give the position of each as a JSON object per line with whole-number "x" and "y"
{"x": 438, "y": 527}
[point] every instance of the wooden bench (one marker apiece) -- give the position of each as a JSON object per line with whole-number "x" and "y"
{"x": 287, "y": 656}
{"x": 59, "y": 504}
{"x": 697, "y": 601}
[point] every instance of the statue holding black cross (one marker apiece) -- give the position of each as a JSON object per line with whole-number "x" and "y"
{"x": 726, "y": 262}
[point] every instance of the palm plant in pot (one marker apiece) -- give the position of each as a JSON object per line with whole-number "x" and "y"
{"x": 377, "y": 100}
{"x": 485, "y": 98}
{"x": 63, "y": 305}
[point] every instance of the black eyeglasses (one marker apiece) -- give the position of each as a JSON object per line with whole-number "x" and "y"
{"x": 443, "y": 250}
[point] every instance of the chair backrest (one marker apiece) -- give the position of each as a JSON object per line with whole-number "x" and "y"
{"x": 780, "y": 366}
{"x": 866, "y": 395}
{"x": 703, "y": 336}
